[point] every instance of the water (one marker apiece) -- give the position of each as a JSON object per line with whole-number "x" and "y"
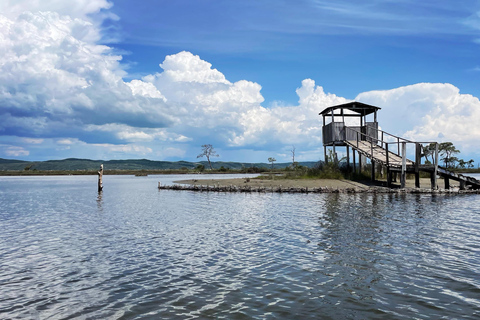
{"x": 134, "y": 252}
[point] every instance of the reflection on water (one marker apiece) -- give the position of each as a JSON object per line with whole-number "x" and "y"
{"x": 100, "y": 201}
{"x": 134, "y": 252}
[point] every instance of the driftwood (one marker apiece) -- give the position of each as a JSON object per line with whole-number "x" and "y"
{"x": 280, "y": 189}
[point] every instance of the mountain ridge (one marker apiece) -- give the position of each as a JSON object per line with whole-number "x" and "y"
{"x": 73, "y": 164}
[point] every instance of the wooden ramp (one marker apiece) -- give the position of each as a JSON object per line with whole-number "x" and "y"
{"x": 465, "y": 180}
{"x": 393, "y": 161}
{"x": 377, "y": 153}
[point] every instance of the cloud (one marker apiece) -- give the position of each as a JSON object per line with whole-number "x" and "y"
{"x": 33, "y": 141}
{"x": 61, "y": 90}
{"x": 429, "y": 112}
{"x": 53, "y": 79}
{"x": 13, "y": 151}
{"x": 78, "y": 9}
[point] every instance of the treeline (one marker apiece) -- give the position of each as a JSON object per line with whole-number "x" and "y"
{"x": 448, "y": 155}
{"x": 87, "y": 166}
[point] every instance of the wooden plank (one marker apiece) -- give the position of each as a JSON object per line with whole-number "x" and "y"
{"x": 379, "y": 153}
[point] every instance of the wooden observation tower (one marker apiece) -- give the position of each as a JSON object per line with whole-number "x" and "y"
{"x": 351, "y": 125}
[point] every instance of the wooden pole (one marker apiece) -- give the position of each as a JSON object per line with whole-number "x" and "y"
{"x": 434, "y": 178}
{"x": 373, "y": 169}
{"x": 404, "y": 165}
{"x": 334, "y": 154}
{"x": 447, "y": 183}
{"x": 359, "y": 162}
{"x": 348, "y": 159}
{"x": 389, "y": 173}
{"x": 418, "y": 149}
{"x": 354, "y": 162}
{"x": 100, "y": 176}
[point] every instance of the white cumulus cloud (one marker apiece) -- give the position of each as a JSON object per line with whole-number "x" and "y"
{"x": 57, "y": 83}
{"x": 429, "y": 112}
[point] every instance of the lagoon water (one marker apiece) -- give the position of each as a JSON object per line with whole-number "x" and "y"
{"x": 134, "y": 252}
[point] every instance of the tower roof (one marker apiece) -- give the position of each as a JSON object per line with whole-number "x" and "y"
{"x": 362, "y": 109}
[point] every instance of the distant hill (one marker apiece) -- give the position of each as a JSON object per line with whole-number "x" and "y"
{"x": 73, "y": 164}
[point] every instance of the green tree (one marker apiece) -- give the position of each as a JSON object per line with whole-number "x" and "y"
{"x": 447, "y": 150}
{"x": 429, "y": 151}
{"x": 208, "y": 152}
{"x": 471, "y": 163}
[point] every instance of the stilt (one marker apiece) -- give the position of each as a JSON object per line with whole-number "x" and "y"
{"x": 348, "y": 159}
{"x": 354, "y": 163}
{"x": 373, "y": 169}
{"x": 418, "y": 151}
{"x": 447, "y": 182}
{"x": 359, "y": 163}
{"x": 389, "y": 178}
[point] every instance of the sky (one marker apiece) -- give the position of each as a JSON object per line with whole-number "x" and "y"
{"x": 157, "y": 79}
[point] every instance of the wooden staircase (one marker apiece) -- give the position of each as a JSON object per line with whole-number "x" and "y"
{"x": 382, "y": 152}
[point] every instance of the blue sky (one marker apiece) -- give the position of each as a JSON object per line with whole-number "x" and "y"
{"x": 156, "y": 79}
{"x": 347, "y": 47}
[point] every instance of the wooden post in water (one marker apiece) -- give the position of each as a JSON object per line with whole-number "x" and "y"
{"x": 100, "y": 176}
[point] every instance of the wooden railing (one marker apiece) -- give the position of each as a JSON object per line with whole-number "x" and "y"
{"x": 380, "y": 140}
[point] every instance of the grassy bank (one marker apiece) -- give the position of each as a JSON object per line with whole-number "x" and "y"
{"x": 142, "y": 172}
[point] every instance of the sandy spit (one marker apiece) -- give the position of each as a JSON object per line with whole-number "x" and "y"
{"x": 300, "y": 183}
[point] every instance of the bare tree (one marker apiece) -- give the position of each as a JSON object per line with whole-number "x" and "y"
{"x": 208, "y": 152}
{"x": 293, "y": 157}
{"x": 272, "y": 160}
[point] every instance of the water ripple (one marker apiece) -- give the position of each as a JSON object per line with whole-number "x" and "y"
{"x": 133, "y": 252}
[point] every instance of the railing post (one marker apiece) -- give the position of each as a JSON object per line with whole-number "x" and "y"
{"x": 417, "y": 164}
{"x": 386, "y": 154}
{"x": 371, "y": 161}
{"x": 434, "y": 177}
{"x": 389, "y": 173}
{"x": 404, "y": 165}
